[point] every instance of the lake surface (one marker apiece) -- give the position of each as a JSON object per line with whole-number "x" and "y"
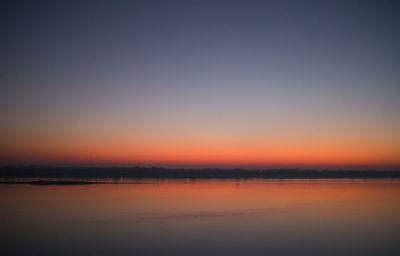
{"x": 203, "y": 217}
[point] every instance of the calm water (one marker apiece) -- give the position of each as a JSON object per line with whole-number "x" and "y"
{"x": 257, "y": 217}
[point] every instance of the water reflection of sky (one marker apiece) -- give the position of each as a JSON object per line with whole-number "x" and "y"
{"x": 200, "y": 218}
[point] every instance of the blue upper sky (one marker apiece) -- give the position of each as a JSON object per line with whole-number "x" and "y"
{"x": 247, "y": 75}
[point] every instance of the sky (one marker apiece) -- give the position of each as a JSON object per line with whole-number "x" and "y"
{"x": 200, "y": 83}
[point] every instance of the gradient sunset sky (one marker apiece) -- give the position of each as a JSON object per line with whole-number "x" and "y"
{"x": 201, "y": 83}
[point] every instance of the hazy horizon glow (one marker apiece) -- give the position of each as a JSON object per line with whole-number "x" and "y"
{"x": 201, "y": 83}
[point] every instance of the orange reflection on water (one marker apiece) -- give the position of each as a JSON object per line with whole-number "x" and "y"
{"x": 197, "y": 195}
{"x": 196, "y": 217}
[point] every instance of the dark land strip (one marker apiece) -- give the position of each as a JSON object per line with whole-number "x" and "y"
{"x": 52, "y": 172}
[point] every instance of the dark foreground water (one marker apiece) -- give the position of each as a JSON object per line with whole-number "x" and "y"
{"x": 179, "y": 217}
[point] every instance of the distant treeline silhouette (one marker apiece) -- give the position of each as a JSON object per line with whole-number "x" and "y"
{"x": 161, "y": 173}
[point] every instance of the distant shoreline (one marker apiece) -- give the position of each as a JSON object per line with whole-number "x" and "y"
{"x": 50, "y": 182}
{"x": 165, "y": 173}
